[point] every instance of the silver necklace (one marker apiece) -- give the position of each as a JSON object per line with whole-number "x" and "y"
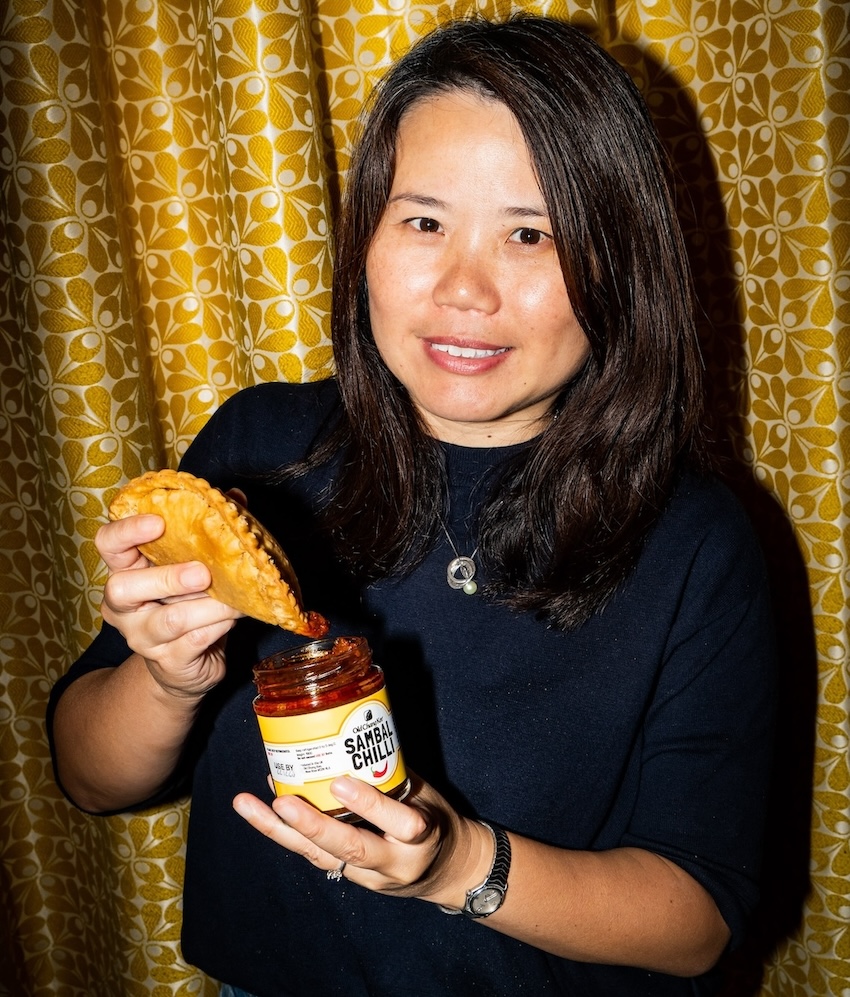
{"x": 460, "y": 573}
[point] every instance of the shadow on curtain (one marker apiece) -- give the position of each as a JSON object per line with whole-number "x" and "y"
{"x": 168, "y": 174}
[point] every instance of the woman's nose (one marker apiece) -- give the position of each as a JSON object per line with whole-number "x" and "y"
{"x": 467, "y": 280}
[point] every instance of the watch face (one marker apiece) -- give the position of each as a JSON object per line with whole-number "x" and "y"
{"x": 487, "y": 901}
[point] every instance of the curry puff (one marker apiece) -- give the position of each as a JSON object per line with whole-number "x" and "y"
{"x": 250, "y": 571}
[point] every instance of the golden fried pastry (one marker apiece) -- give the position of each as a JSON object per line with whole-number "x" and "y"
{"x": 249, "y": 570}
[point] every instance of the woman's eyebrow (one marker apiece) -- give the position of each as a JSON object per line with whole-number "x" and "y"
{"x": 533, "y": 211}
{"x": 421, "y": 199}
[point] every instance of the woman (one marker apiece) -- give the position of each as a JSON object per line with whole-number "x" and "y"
{"x": 518, "y": 385}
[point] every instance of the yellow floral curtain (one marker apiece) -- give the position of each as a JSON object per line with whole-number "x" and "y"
{"x": 169, "y": 171}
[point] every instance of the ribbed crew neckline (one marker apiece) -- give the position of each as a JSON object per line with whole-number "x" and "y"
{"x": 470, "y": 472}
{"x": 463, "y": 462}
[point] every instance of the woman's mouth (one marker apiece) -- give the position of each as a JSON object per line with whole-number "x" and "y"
{"x": 467, "y": 352}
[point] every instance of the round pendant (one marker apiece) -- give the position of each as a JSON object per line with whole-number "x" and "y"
{"x": 460, "y": 573}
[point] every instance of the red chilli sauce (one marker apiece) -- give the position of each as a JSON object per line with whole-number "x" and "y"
{"x": 324, "y": 712}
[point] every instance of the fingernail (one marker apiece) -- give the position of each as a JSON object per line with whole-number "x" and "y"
{"x": 193, "y": 575}
{"x": 243, "y": 807}
{"x": 344, "y": 789}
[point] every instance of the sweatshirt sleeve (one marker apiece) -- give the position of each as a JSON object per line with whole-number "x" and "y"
{"x": 708, "y": 736}
{"x": 255, "y": 431}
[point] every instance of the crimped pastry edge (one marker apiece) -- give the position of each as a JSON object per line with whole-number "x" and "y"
{"x": 283, "y": 598}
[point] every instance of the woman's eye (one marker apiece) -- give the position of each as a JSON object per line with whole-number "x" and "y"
{"x": 425, "y": 224}
{"x": 529, "y": 236}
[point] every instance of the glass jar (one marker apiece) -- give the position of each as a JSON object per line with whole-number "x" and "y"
{"x": 324, "y": 712}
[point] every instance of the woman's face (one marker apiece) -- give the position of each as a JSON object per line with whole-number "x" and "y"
{"x": 466, "y": 297}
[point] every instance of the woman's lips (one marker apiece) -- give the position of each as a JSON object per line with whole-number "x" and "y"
{"x": 466, "y": 358}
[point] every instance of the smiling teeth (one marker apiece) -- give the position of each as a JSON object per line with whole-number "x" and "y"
{"x": 469, "y": 354}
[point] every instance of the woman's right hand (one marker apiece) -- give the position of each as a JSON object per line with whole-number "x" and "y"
{"x": 162, "y": 612}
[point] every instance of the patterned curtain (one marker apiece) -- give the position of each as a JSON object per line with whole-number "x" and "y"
{"x": 168, "y": 174}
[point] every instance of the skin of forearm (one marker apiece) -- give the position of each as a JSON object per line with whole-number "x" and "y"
{"x": 626, "y": 906}
{"x": 623, "y": 906}
{"x": 118, "y": 736}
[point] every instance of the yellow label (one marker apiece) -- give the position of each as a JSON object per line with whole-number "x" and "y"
{"x": 307, "y": 752}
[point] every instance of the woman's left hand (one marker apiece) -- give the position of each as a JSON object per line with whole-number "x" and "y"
{"x": 626, "y": 906}
{"x": 427, "y": 850}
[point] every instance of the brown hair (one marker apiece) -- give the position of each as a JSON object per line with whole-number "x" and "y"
{"x": 566, "y": 522}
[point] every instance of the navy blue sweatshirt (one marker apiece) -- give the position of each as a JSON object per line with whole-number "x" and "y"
{"x": 648, "y": 726}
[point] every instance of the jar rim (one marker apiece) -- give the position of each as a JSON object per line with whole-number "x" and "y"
{"x": 327, "y": 652}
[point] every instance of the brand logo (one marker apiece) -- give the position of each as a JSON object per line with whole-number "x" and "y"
{"x": 370, "y": 742}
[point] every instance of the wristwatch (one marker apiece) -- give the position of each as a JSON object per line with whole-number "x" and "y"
{"x": 486, "y": 899}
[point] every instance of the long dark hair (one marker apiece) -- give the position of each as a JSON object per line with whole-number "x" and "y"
{"x": 565, "y": 524}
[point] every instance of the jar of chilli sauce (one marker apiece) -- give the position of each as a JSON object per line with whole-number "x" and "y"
{"x": 324, "y": 712}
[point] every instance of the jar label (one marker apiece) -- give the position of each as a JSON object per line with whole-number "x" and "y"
{"x": 308, "y": 751}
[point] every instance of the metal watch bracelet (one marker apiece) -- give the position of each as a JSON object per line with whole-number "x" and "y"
{"x": 488, "y": 897}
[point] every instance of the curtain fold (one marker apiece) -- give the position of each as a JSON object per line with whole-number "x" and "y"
{"x": 169, "y": 171}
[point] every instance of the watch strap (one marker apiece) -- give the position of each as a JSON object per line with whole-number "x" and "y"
{"x": 488, "y": 897}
